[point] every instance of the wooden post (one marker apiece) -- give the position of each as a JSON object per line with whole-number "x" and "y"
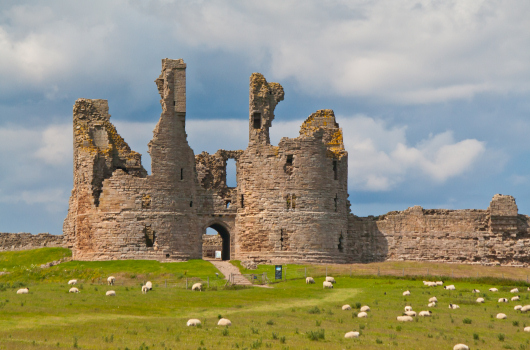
{"x": 186, "y": 283}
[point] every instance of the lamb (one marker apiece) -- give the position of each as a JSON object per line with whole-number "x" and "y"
{"x": 450, "y": 287}
{"x": 454, "y": 306}
{"x": 431, "y": 305}
{"x": 515, "y": 290}
{"x": 330, "y": 279}
{"x": 224, "y": 322}
{"x": 149, "y": 285}
{"x": 73, "y": 290}
{"x": 503, "y": 300}
{"x": 405, "y": 293}
{"x": 72, "y": 282}
{"x": 23, "y": 291}
{"x": 362, "y": 314}
{"x": 517, "y": 307}
{"x": 460, "y": 347}
{"x": 346, "y": 307}
{"x": 433, "y": 300}
{"x": 408, "y": 308}
{"x": 197, "y": 286}
{"x": 515, "y": 298}
{"x": 475, "y": 291}
{"x": 527, "y": 329}
{"x": 351, "y": 335}
{"x": 309, "y": 280}
{"x": 111, "y": 293}
{"x": 501, "y": 316}
{"x": 405, "y": 319}
{"x": 525, "y": 308}
{"x": 480, "y": 300}
{"x": 425, "y": 313}
{"x": 410, "y": 313}
{"x": 493, "y": 290}
{"x": 193, "y": 322}
{"x": 439, "y": 283}
{"x": 327, "y": 284}
{"x": 145, "y": 289}
{"x": 111, "y": 280}
{"x": 365, "y": 308}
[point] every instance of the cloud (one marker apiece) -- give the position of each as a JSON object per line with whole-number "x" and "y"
{"x": 56, "y": 146}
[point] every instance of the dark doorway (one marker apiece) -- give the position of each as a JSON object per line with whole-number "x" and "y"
{"x": 224, "y": 246}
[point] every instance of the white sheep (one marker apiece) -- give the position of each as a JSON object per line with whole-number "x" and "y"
{"x": 405, "y": 293}
{"x": 111, "y": 280}
{"x": 527, "y": 329}
{"x": 404, "y": 319}
{"x": 23, "y": 291}
{"x": 515, "y": 298}
{"x": 327, "y": 284}
{"x": 503, "y": 300}
{"x": 450, "y": 287}
{"x": 439, "y": 283}
{"x": 425, "y": 313}
{"x": 111, "y": 293}
{"x": 433, "y": 300}
{"x": 193, "y": 322}
{"x": 501, "y": 316}
{"x": 480, "y": 300}
{"x": 330, "y": 279}
{"x": 73, "y": 290}
{"x": 493, "y": 290}
{"x": 309, "y": 280}
{"x": 525, "y": 308}
{"x": 362, "y": 315}
{"x": 426, "y": 282}
{"x": 365, "y": 308}
{"x": 410, "y": 313}
{"x": 408, "y": 308}
{"x": 351, "y": 335}
{"x": 475, "y": 291}
{"x": 145, "y": 289}
{"x": 431, "y": 305}
{"x": 517, "y": 307}
{"x": 197, "y": 286}
{"x": 454, "y": 306}
{"x": 460, "y": 347}
{"x": 72, "y": 282}
{"x": 515, "y": 290}
{"x": 224, "y": 322}
{"x": 149, "y": 285}
{"x": 346, "y": 307}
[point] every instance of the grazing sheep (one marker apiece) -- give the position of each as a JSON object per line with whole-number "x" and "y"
{"x": 475, "y": 291}
{"x": 149, "y": 285}
{"x": 408, "y": 308}
{"x": 450, "y": 287}
{"x": 365, "y": 308}
{"x": 327, "y": 284}
{"x": 426, "y": 282}
{"x": 346, "y": 307}
{"x": 503, "y": 300}
{"x": 515, "y": 290}
{"x": 111, "y": 280}
{"x": 404, "y": 319}
{"x": 309, "y": 280}
{"x": 517, "y": 307}
{"x": 224, "y": 322}
{"x": 73, "y": 290}
{"x": 460, "y": 347}
{"x": 480, "y": 300}
{"x": 439, "y": 283}
{"x": 429, "y": 284}
{"x": 354, "y": 335}
{"x": 493, "y": 290}
{"x": 431, "y": 305}
{"x": 410, "y": 313}
{"x": 23, "y": 291}
{"x": 197, "y": 286}
{"x": 454, "y": 306}
{"x": 111, "y": 293}
{"x": 515, "y": 298}
{"x": 72, "y": 282}
{"x": 433, "y": 300}
{"x": 362, "y": 314}
{"x": 405, "y": 293}
{"x": 527, "y": 329}
{"x": 525, "y": 308}
{"x": 425, "y": 313}
{"x": 330, "y": 279}
{"x": 193, "y": 322}
{"x": 145, "y": 289}
{"x": 501, "y": 316}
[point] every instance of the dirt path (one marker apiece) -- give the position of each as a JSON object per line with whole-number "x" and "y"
{"x": 231, "y": 272}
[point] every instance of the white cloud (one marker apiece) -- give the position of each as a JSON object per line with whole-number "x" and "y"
{"x": 56, "y": 145}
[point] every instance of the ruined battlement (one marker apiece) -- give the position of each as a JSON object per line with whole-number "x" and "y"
{"x": 26, "y": 241}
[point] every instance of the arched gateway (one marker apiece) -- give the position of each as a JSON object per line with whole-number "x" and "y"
{"x": 220, "y": 241}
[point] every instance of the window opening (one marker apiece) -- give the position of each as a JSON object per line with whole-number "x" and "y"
{"x": 167, "y": 255}
{"x": 231, "y": 173}
{"x": 335, "y": 169}
{"x": 242, "y": 201}
{"x": 290, "y": 201}
{"x": 289, "y": 159}
{"x": 228, "y": 204}
{"x": 149, "y": 235}
{"x": 293, "y": 201}
{"x": 182, "y": 173}
{"x": 281, "y": 239}
{"x": 336, "y": 199}
{"x": 191, "y": 204}
{"x": 174, "y": 103}
{"x": 257, "y": 120}
{"x": 340, "y": 247}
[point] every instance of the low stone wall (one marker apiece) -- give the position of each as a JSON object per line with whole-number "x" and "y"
{"x": 25, "y": 241}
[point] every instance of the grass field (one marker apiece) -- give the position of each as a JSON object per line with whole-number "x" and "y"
{"x": 291, "y": 315}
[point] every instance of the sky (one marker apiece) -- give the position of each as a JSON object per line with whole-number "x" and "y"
{"x": 433, "y": 97}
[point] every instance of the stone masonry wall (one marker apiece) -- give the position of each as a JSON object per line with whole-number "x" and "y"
{"x": 25, "y": 241}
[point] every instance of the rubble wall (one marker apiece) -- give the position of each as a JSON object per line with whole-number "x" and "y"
{"x": 26, "y": 241}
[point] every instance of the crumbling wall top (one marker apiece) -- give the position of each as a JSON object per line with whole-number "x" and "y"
{"x": 502, "y": 205}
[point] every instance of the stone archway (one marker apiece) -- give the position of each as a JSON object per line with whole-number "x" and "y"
{"x": 225, "y": 237}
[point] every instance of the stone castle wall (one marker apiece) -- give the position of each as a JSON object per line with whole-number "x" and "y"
{"x": 26, "y": 241}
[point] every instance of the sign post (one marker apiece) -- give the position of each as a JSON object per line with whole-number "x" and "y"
{"x": 278, "y": 272}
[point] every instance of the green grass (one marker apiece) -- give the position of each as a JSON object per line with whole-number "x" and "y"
{"x": 292, "y": 315}
{"x": 25, "y": 258}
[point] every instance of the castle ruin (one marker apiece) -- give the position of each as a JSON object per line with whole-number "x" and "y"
{"x": 290, "y": 203}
